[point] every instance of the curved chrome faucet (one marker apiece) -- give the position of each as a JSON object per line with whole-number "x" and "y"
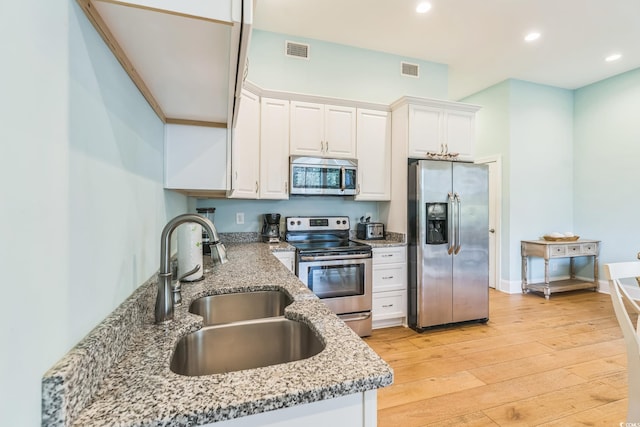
{"x": 164, "y": 300}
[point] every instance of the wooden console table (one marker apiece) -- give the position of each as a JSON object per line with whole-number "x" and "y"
{"x": 552, "y": 250}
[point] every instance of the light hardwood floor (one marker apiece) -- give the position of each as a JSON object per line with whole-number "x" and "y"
{"x": 560, "y": 362}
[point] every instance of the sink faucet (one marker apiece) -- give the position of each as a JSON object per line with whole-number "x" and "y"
{"x": 164, "y": 300}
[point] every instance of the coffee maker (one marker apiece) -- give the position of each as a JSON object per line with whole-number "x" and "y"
{"x": 271, "y": 228}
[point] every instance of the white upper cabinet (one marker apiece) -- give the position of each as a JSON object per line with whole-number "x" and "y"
{"x": 339, "y": 131}
{"x": 441, "y": 128}
{"x": 186, "y": 57}
{"x": 322, "y": 130}
{"x": 195, "y": 159}
{"x": 274, "y": 149}
{"x": 424, "y": 130}
{"x": 374, "y": 155}
{"x": 245, "y": 149}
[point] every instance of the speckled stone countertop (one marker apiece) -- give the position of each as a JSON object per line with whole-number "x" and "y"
{"x": 119, "y": 374}
{"x": 390, "y": 240}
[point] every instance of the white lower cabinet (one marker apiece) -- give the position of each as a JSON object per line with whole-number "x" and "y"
{"x": 353, "y": 410}
{"x": 389, "y": 286}
{"x": 288, "y": 259}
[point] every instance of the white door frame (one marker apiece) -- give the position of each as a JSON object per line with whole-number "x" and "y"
{"x": 496, "y": 162}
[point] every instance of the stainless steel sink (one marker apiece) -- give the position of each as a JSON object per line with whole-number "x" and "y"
{"x": 225, "y": 308}
{"x": 244, "y": 345}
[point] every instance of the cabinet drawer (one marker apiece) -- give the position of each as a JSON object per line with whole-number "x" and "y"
{"x": 389, "y": 255}
{"x": 387, "y": 305}
{"x": 389, "y": 277}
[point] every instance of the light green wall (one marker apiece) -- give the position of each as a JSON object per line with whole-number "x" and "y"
{"x": 340, "y": 71}
{"x": 82, "y": 202}
{"x": 333, "y": 70}
{"x": 492, "y": 139}
{"x": 531, "y": 127}
{"x": 607, "y": 171}
{"x": 225, "y": 216}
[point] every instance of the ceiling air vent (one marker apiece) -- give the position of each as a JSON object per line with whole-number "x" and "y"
{"x": 297, "y": 50}
{"x": 411, "y": 70}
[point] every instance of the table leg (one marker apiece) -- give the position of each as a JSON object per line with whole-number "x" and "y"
{"x": 572, "y": 268}
{"x": 596, "y": 280}
{"x": 524, "y": 274}
{"x": 547, "y": 290}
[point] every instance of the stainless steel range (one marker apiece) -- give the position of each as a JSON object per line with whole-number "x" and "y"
{"x": 335, "y": 268}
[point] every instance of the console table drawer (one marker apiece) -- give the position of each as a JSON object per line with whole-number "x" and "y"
{"x": 589, "y": 248}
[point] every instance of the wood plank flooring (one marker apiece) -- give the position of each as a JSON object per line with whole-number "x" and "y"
{"x": 560, "y": 362}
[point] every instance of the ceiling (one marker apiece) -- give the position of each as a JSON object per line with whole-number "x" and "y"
{"x": 482, "y": 41}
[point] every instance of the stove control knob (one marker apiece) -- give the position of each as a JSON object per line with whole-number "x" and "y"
{"x": 344, "y": 222}
{"x": 299, "y": 222}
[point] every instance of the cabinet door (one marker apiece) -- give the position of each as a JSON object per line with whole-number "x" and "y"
{"x": 425, "y": 133}
{"x": 195, "y": 157}
{"x": 307, "y": 129}
{"x": 245, "y": 148}
{"x": 339, "y": 131}
{"x": 459, "y": 133}
{"x": 374, "y": 155}
{"x": 274, "y": 149}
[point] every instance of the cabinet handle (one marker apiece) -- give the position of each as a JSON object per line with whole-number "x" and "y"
{"x": 322, "y": 146}
{"x": 326, "y": 150}
{"x": 387, "y": 277}
{"x": 387, "y": 305}
{"x": 286, "y": 187}
{"x": 441, "y": 149}
{"x": 386, "y": 255}
{"x": 446, "y": 148}
{"x": 256, "y": 186}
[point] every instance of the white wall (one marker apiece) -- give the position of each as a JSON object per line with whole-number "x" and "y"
{"x": 82, "y": 197}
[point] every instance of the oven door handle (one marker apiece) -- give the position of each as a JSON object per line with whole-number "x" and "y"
{"x": 333, "y": 257}
{"x": 354, "y": 317}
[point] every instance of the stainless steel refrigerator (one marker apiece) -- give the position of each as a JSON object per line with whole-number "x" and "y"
{"x": 448, "y": 243}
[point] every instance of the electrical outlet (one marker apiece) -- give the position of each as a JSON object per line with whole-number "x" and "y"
{"x": 239, "y": 217}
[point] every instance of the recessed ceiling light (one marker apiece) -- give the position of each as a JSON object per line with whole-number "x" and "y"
{"x": 532, "y": 36}
{"x": 613, "y": 57}
{"x": 423, "y": 7}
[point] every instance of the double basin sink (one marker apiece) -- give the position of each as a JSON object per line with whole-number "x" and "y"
{"x": 244, "y": 330}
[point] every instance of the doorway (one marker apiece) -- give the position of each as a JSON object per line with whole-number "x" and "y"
{"x": 495, "y": 203}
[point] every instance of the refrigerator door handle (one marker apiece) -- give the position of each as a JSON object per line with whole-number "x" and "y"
{"x": 456, "y": 196}
{"x": 451, "y": 227}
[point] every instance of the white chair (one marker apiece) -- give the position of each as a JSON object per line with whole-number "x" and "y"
{"x": 616, "y": 272}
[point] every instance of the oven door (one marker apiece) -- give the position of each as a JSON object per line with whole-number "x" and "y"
{"x": 343, "y": 284}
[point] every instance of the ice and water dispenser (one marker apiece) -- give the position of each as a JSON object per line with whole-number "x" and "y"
{"x": 437, "y": 223}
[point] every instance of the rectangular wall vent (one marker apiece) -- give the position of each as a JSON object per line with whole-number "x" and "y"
{"x": 297, "y": 50}
{"x": 411, "y": 70}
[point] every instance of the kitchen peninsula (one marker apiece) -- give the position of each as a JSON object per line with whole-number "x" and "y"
{"x": 119, "y": 374}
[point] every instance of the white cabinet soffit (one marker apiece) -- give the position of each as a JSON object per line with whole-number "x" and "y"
{"x": 179, "y": 59}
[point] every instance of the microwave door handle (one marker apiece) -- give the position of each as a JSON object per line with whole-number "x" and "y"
{"x": 343, "y": 178}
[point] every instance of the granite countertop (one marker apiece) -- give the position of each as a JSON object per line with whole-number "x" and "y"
{"x": 390, "y": 240}
{"x": 119, "y": 374}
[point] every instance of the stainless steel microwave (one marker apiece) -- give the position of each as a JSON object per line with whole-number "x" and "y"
{"x": 320, "y": 176}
